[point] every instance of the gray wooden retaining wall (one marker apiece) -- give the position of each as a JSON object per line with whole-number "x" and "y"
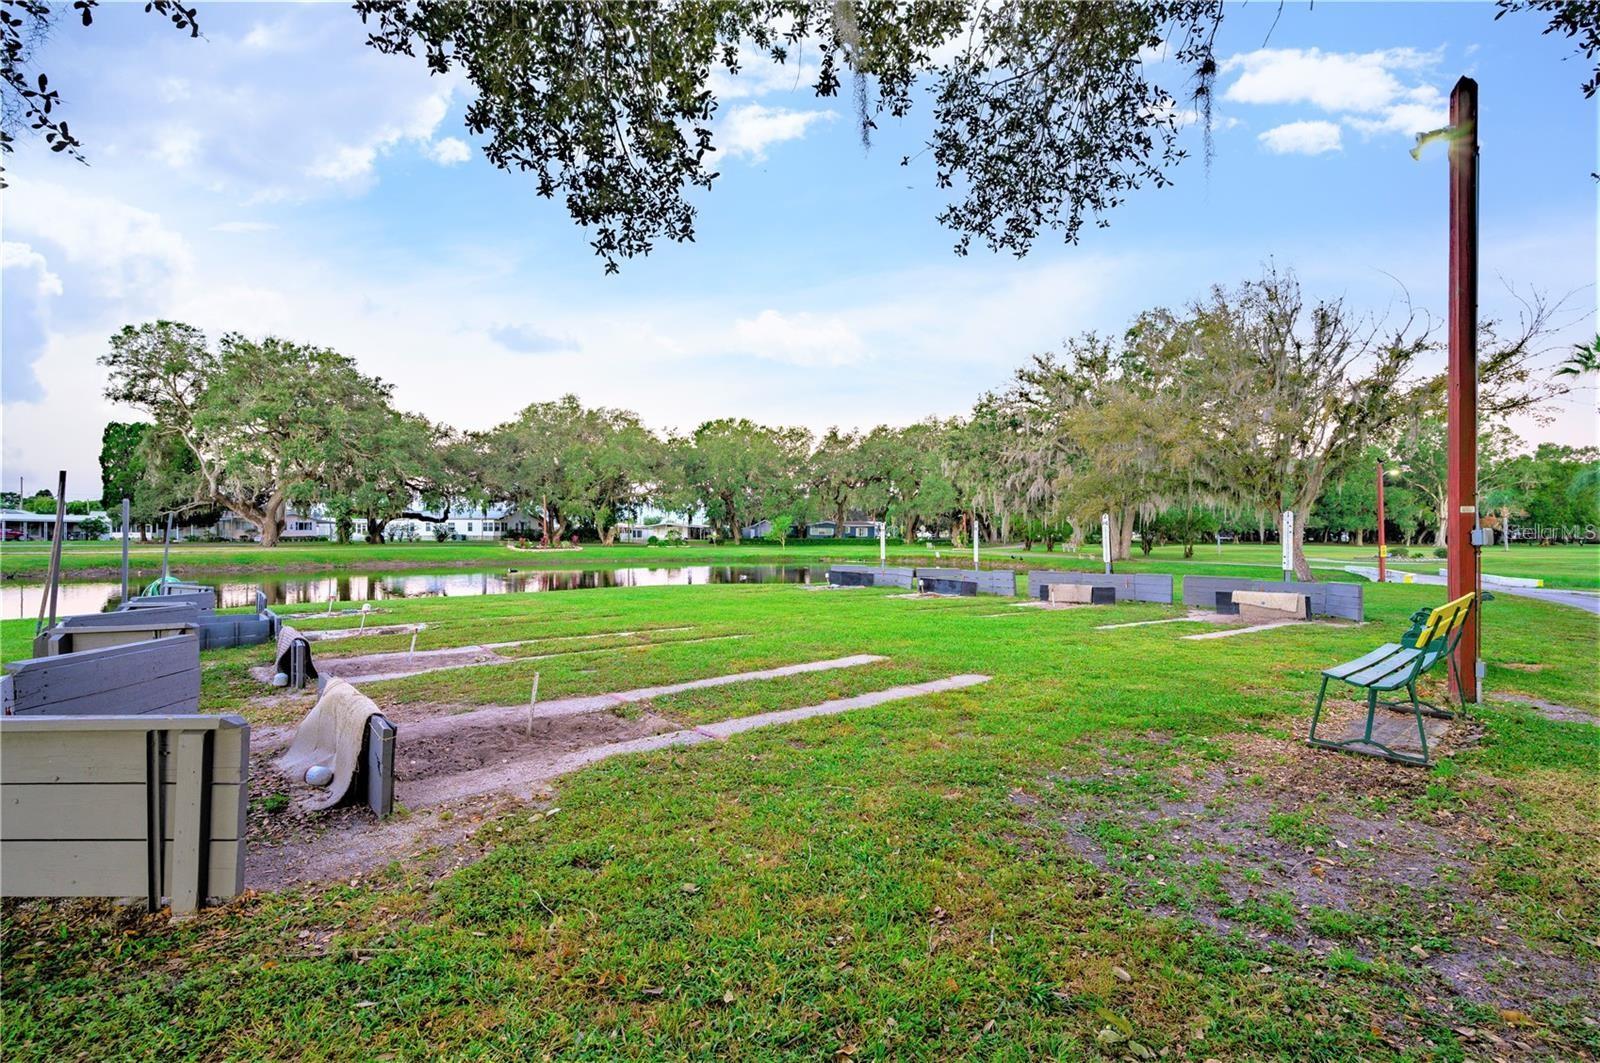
{"x": 203, "y": 598}
{"x": 871, "y": 576}
{"x": 1135, "y": 587}
{"x": 980, "y": 581}
{"x": 154, "y": 676}
{"x": 147, "y": 806}
{"x": 94, "y": 631}
{"x": 1341, "y": 600}
{"x": 217, "y": 632}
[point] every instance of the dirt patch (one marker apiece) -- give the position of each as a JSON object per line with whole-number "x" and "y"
{"x": 472, "y": 748}
{"x": 372, "y": 663}
{"x": 390, "y": 663}
{"x": 1315, "y": 851}
{"x": 288, "y": 846}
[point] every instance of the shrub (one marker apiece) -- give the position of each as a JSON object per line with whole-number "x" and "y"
{"x": 1399, "y": 551}
{"x": 1439, "y": 551}
{"x": 652, "y": 541}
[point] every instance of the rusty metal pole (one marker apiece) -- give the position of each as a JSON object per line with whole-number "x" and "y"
{"x": 1462, "y": 489}
{"x": 1383, "y": 545}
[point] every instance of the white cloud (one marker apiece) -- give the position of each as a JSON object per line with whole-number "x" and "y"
{"x": 1302, "y": 138}
{"x": 267, "y": 37}
{"x": 122, "y": 250}
{"x": 1406, "y": 118}
{"x": 750, "y": 129}
{"x": 449, "y": 151}
{"x": 177, "y": 147}
{"x": 351, "y": 164}
{"x": 1332, "y": 81}
{"x": 25, "y": 259}
{"x": 1374, "y": 92}
{"x": 799, "y": 339}
{"x": 279, "y": 110}
{"x": 759, "y": 75}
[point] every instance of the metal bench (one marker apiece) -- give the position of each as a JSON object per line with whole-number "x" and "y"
{"x": 1432, "y": 638}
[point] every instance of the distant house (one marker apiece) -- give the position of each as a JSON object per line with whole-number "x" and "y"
{"x": 668, "y": 529}
{"x": 20, "y": 524}
{"x": 853, "y": 529}
{"x": 759, "y": 530}
{"x": 296, "y": 525}
{"x": 477, "y": 525}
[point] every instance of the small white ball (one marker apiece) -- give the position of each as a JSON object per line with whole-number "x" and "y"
{"x": 319, "y": 775}
{"x": 281, "y": 679}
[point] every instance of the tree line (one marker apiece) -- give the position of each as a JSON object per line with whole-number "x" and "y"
{"x": 1252, "y": 400}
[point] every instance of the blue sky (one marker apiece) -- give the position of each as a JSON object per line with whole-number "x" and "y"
{"x": 278, "y": 176}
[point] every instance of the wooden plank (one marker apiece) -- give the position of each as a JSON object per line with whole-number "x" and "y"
{"x": 108, "y": 757}
{"x": 187, "y": 882}
{"x": 72, "y": 868}
{"x": 224, "y": 870}
{"x": 169, "y": 616}
{"x": 75, "y": 674}
{"x": 72, "y": 811}
{"x": 100, "y": 638}
{"x": 101, "y": 811}
{"x": 176, "y": 722}
{"x": 178, "y": 692}
{"x": 227, "y": 764}
{"x": 378, "y": 765}
{"x": 99, "y": 749}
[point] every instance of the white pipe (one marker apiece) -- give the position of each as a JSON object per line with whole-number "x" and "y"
{"x": 533, "y": 699}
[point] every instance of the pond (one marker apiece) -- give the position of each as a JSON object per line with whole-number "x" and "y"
{"x": 22, "y": 599}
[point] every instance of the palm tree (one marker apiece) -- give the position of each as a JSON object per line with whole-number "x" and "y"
{"x": 1586, "y": 360}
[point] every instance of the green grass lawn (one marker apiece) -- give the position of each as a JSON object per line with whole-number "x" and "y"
{"x": 1558, "y": 566}
{"x": 1117, "y": 848}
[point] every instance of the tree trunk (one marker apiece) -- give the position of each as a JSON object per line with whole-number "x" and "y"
{"x": 1361, "y": 535}
{"x": 838, "y": 518}
{"x": 1302, "y": 567}
{"x": 375, "y": 526}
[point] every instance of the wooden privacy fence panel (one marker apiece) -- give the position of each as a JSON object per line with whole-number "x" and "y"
{"x": 158, "y": 675}
{"x": 1133, "y": 587}
{"x": 119, "y": 806}
{"x": 221, "y": 632}
{"x": 967, "y": 580}
{"x": 202, "y": 598}
{"x": 871, "y": 576}
{"x": 1340, "y": 600}
{"x": 94, "y": 631}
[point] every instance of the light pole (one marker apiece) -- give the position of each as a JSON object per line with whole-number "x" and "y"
{"x": 1461, "y": 539}
{"x": 1105, "y": 541}
{"x": 1383, "y": 547}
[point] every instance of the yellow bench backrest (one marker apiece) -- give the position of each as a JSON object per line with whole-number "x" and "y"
{"x": 1443, "y": 621}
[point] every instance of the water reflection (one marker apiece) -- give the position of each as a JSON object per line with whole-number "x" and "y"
{"x": 22, "y": 600}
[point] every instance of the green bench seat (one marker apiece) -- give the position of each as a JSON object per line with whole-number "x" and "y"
{"x": 1431, "y": 639}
